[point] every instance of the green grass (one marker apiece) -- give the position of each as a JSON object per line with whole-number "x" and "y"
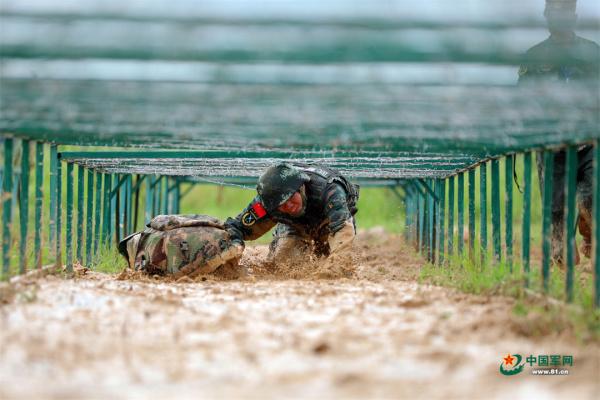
{"x": 544, "y": 316}
{"x": 109, "y": 260}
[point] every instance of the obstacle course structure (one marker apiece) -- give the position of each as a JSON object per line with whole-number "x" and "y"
{"x": 413, "y": 105}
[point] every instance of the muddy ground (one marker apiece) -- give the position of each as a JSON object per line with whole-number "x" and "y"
{"x": 369, "y": 330}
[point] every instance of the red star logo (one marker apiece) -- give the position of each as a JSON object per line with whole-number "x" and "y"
{"x": 508, "y": 360}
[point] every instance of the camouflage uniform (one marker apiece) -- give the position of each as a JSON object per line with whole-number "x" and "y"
{"x": 180, "y": 245}
{"x": 329, "y": 207}
{"x": 569, "y": 58}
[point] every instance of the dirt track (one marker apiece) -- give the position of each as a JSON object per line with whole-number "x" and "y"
{"x": 376, "y": 334}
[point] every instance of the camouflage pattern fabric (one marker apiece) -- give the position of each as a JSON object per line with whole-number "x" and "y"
{"x": 180, "y": 245}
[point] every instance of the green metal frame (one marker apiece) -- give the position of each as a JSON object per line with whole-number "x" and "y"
{"x": 24, "y": 205}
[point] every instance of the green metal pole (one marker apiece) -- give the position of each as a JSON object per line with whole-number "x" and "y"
{"x": 136, "y": 203}
{"x": 407, "y": 207}
{"x": 7, "y": 183}
{"x": 107, "y": 210}
{"x": 69, "y": 223}
{"x": 112, "y": 208}
{"x": 80, "y": 211}
{"x": 24, "y": 206}
{"x": 450, "y": 216}
{"x": 53, "y": 204}
{"x": 421, "y": 200}
{"x": 596, "y": 224}
{"x": 461, "y": 212}
{"x": 508, "y": 208}
{"x": 122, "y": 201}
{"x": 547, "y": 217}
{"x": 526, "y": 214}
{"x": 58, "y": 212}
{"x": 89, "y": 217}
{"x": 178, "y": 198}
{"x": 472, "y": 214}
{"x": 39, "y": 202}
{"x": 165, "y": 195}
{"x": 425, "y": 248}
{"x": 483, "y": 210}
{"x": 129, "y": 210}
{"x": 157, "y": 193}
{"x": 496, "y": 224}
{"x": 431, "y": 244}
{"x": 436, "y": 227}
{"x": 441, "y": 223}
{"x": 149, "y": 199}
{"x": 99, "y": 211}
{"x": 570, "y": 211}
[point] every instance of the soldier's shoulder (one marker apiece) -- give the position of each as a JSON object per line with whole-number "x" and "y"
{"x": 540, "y": 48}
{"x": 588, "y": 49}
{"x": 583, "y": 42}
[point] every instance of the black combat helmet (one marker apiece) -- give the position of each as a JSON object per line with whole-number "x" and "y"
{"x": 278, "y": 183}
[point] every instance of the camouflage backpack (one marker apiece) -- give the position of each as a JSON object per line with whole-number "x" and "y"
{"x": 180, "y": 245}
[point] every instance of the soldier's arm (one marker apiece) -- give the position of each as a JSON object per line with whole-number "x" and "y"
{"x": 341, "y": 224}
{"x": 250, "y": 224}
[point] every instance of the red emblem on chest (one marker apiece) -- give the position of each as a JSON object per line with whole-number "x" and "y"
{"x": 259, "y": 210}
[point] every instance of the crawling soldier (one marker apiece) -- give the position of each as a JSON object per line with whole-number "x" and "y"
{"x": 313, "y": 207}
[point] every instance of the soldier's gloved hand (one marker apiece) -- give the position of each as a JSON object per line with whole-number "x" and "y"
{"x": 341, "y": 240}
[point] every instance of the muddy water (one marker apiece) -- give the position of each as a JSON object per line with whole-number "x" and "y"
{"x": 378, "y": 334}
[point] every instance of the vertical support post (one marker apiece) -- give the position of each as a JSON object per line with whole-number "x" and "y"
{"x": 508, "y": 208}
{"x": 157, "y": 192}
{"x": 461, "y": 213}
{"x": 53, "y": 192}
{"x": 69, "y": 223}
{"x": 570, "y": 225}
{"x": 441, "y": 223}
{"x": 136, "y": 213}
{"x": 7, "y": 184}
{"x": 98, "y": 213}
{"x": 89, "y": 217}
{"x": 24, "y": 205}
{"x": 431, "y": 228}
{"x": 547, "y": 216}
{"x": 149, "y": 198}
{"x": 596, "y": 224}
{"x": 112, "y": 210}
{"x": 407, "y": 222}
{"x": 39, "y": 202}
{"x": 80, "y": 208}
{"x": 450, "y": 216}
{"x": 424, "y": 250}
{"x": 106, "y": 212}
{"x": 129, "y": 210}
{"x": 483, "y": 210}
{"x": 421, "y": 199}
{"x": 165, "y": 195}
{"x": 472, "y": 214}
{"x": 178, "y": 197}
{"x": 436, "y": 220}
{"x": 526, "y": 230}
{"x": 496, "y": 224}
{"x": 122, "y": 201}
{"x": 58, "y": 233}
